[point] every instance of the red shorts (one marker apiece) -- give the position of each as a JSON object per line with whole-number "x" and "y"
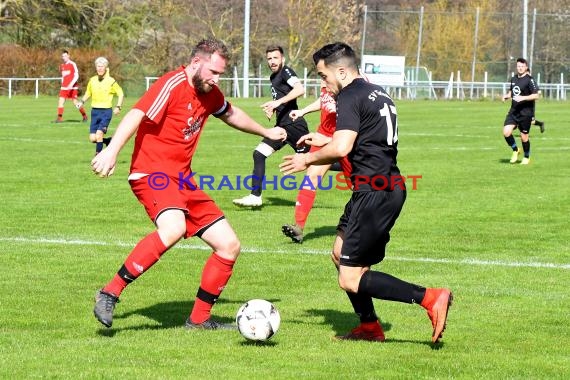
{"x": 201, "y": 211}
{"x": 68, "y": 94}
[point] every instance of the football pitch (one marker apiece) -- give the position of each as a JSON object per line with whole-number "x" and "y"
{"x": 496, "y": 234}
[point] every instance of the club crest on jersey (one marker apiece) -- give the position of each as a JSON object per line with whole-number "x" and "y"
{"x": 193, "y": 127}
{"x": 516, "y": 90}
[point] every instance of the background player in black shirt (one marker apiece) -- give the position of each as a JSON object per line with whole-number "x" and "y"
{"x": 285, "y": 89}
{"x": 524, "y": 92}
{"x": 367, "y": 133}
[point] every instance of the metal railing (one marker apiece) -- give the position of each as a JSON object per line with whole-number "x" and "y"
{"x": 36, "y": 80}
{"x": 261, "y": 87}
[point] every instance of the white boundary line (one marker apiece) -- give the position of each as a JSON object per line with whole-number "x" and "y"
{"x": 313, "y": 251}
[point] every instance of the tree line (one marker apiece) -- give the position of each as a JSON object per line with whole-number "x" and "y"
{"x": 145, "y": 38}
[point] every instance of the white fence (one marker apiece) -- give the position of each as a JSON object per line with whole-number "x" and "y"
{"x": 452, "y": 89}
{"x": 36, "y": 80}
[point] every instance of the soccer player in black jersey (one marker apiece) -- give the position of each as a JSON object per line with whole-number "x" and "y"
{"x": 285, "y": 89}
{"x": 523, "y": 92}
{"x": 367, "y": 133}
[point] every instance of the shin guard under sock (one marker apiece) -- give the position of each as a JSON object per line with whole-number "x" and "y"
{"x": 383, "y": 286}
{"x": 143, "y": 256}
{"x": 303, "y": 206}
{"x": 511, "y": 142}
{"x": 215, "y": 275}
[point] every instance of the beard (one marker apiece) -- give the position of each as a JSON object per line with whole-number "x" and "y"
{"x": 200, "y": 84}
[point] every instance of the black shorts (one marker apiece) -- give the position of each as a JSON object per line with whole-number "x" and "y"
{"x": 522, "y": 122}
{"x": 367, "y": 220}
{"x": 294, "y": 132}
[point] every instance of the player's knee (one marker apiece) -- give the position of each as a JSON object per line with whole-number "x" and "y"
{"x": 335, "y": 259}
{"x": 347, "y": 284}
{"x": 229, "y": 248}
{"x": 171, "y": 233}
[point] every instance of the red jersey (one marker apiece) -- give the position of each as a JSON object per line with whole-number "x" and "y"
{"x": 328, "y": 113}
{"x": 69, "y": 75}
{"x": 175, "y": 114}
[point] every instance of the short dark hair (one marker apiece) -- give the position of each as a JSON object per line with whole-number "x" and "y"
{"x": 522, "y": 60}
{"x": 335, "y": 52}
{"x": 209, "y": 46}
{"x": 271, "y": 48}
{"x": 64, "y": 52}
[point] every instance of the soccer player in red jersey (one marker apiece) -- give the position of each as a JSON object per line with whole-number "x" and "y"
{"x": 168, "y": 121}
{"x": 307, "y": 194}
{"x": 68, "y": 90}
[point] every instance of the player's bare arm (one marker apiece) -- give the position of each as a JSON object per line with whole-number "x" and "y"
{"x": 238, "y": 119}
{"x": 340, "y": 145}
{"x": 506, "y": 96}
{"x": 314, "y": 139}
{"x": 104, "y": 163}
{"x": 313, "y": 107}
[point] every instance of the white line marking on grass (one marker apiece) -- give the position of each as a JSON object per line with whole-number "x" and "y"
{"x": 468, "y": 261}
{"x": 33, "y": 140}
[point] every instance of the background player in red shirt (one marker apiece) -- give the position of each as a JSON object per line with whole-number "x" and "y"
{"x": 306, "y": 195}
{"x": 68, "y": 90}
{"x": 168, "y": 121}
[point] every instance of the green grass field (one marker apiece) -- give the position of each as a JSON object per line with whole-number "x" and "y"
{"x": 496, "y": 234}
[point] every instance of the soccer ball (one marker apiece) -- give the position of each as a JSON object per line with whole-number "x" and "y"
{"x": 258, "y": 320}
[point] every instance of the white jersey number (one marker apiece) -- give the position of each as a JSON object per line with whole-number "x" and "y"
{"x": 387, "y": 112}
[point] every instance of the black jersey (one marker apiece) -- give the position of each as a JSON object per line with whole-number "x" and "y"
{"x": 367, "y": 109}
{"x": 525, "y": 85}
{"x": 282, "y": 83}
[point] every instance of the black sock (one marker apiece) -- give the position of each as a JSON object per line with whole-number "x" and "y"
{"x": 526, "y": 148}
{"x": 363, "y": 306}
{"x": 383, "y": 286}
{"x": 511, "y": 142}
{"x": 99, "y": 147}
{"x": 538, "y": 122}
{"x": 106, "y": 140}
{"x": 258, "y": 172}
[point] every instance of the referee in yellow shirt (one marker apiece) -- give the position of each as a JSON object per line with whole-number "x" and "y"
{"x": 101, "y": 89}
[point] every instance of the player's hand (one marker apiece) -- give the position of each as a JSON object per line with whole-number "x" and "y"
{"x": 295, "y": 114}
{"x": 518, "y": 98}
{"x": 293, "y": 164}
{"x": 276, "y": 133}
{"x": 79, "y": 104}
{"x": 116, "y": 111}
{"x": 269, "y": 108}
{"x": 313, "y": 139}
{"x": 103, "y": 164}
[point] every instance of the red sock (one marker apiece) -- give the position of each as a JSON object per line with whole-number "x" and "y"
{"x": 303, "y": 206}
{"x": 82, "y": 110}
{"x": 142, "y": 257}
{"x": 59, "y": 111}
{"x": 215, "y": 276}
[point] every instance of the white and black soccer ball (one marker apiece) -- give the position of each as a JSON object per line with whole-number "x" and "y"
{"x": 258, "y": 319}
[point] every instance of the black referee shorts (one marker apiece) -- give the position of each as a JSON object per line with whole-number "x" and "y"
{"x": 294, "y": 132}
{"x": 367, "y": 220}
